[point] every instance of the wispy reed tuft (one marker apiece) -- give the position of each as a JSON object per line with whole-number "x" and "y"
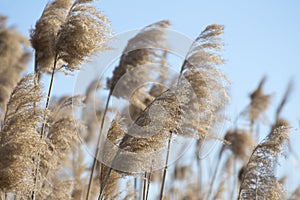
{"x": 258, "y": 178}
{"x": 143, "y": 49}
{"x": 200, "y": 69}
{"x": 44, "y": 35}
{"x": 68, "y": 32}
{"x": 14, "y": 57}
{"x": 83, "y": 34}
{"x": 241, "y": 143}
{"x": 20, "y": 140}
{"x": 259, "y": 102}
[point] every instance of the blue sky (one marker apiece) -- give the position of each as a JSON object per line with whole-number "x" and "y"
{"x": 261, "y": 37}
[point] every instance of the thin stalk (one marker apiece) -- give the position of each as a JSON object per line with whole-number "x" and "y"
{"x": 254, "y": 133}
{"x": 36, "y": 71}
{"x": 165, "y": 168}
{"x": 48, "y": 96}
{"x": 234, "y": 178}
{"x": 144, "y": 186}
{"x": 199, "y": 168}
{"x": 148, "y": 185}
{"x": 44, "y": 121}
{"x": 104, "y": 183}
{"x": 135, "y": 188}
{"x": 199, "y": 182}
{"x": 98, "y": 148}
{"x": 214, "y": 176}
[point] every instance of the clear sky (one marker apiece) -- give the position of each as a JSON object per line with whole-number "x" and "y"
{"x": 261, "y": 37}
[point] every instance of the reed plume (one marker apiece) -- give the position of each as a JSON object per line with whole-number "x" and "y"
{"x": 258, "y": 179}
{"x": 78, "y": 168}
{"x": 20, "y": 140}
{"x": 62, "y": 139}
{"x": 44, "y": 35}
{"x": 114, "y": 135}
{"x": 61, "y": 190}
{"x": 259, "y": 102}
{"x": 241, "y": 143}
{"x": 91, "y": 114}
{"x": 63, "y": 127}
{"x": 14, "y": 57}
{"x": 111, "y": 191}
{"x": 69, "y": 32}
{"x": 146, "y": 48}
{"x": 83, "y": 33}
{"x": 208, "y": 96}
{"x": 200, "y": 69}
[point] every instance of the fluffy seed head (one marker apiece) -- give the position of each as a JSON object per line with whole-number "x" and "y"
{"x": 144, "y": 48}
{"x": 20, "y": 140}
{"x": 44, "y": 35}
{"x": 241, "y": 143}
{"x": 258, "y": 177}
{"x": 83, "y": 34}
{"x": 14, "y": 57}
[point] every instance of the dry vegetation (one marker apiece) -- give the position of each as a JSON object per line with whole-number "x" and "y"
{"x": 42, "y": 154}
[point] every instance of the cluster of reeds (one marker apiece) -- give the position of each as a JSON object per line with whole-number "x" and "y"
{"x": 42, "y": 143}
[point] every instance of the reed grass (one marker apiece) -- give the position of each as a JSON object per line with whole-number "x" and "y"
{"x": 42, "y": 155}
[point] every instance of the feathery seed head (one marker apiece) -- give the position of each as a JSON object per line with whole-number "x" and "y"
{"x": 83, "y": 34}
{"x": 142, "y": 49}
{"x": 44, "y": 35}
{"x": 259, "y": 102}
{"x": 258, "y": 177}
{"x": 207, "y": 82}
{"x": 20, "y": 140}
{"x": 241, "y": 143}
{"x": 14, "y": 57}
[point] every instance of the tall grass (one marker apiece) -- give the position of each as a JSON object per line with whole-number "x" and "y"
{"x": 43, "y": 157}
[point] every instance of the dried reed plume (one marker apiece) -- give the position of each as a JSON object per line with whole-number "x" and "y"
{"x": 111, "y": 191}
{"x": 258, "y": 178}
{"x": 143, "y": 49}
{"x": 78, "y": 168}
{"x": 20, "y": 141}
{"x": 259, "y": 102}
{"x": 241, "y": 143}
{"x": 183, "y": 173}
{"x": 61, "y": 190}
{"x": 150, "y": 131}
{"x": 61, "y": 138}
{"x": 63, "y": 127}
{"x": 207, "y": 82}
{"x": 68, "y": 31}
{"x": 83, "y": 34}
{"x": 114, "y": 135}
{"x": 44, "y": 36}
{"x": 91, "y": 114}
{"x": 14, "y": 57}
